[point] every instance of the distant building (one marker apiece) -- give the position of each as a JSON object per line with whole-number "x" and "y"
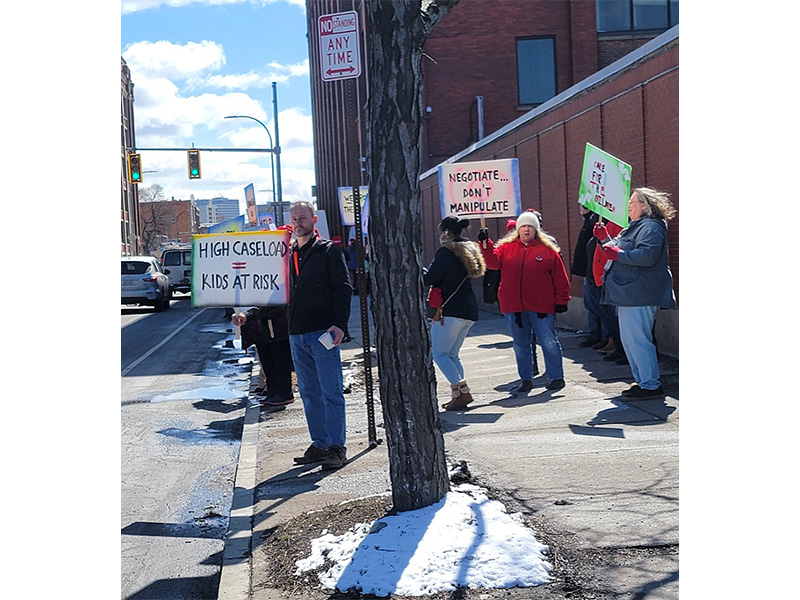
{"x": 129, "y": 207}
{"x": 168, "y": 222}
{"x": 217, "y": 210}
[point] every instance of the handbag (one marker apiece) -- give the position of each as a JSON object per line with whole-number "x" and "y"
{"x": 491, "y": 282}
{"x": 438, "y": 316}
{"x": 435, "y": 297}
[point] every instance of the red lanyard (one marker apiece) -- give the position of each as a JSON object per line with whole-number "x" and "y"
{"x": 296, "y": 266}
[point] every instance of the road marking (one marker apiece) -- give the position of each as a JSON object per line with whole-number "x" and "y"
{"x": 139, "y": 360}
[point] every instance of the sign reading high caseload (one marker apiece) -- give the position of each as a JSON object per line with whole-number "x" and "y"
{"x": 249, "y": 268}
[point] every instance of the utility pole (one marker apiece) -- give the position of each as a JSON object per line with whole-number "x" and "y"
{"x": 277, "y": 155}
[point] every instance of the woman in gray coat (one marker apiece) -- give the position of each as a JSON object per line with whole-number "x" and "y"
{"x": 638, "y": 282}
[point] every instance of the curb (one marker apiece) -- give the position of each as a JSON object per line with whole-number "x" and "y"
{"x": 235, "y": 575}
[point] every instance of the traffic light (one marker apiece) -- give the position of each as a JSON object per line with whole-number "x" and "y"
{"x": 134, "y": 168}
{"x": 194, "y": 164}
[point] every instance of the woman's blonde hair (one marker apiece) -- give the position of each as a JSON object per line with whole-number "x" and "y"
{"x": 656, "y": 203}
{"x": 541, "y": 235}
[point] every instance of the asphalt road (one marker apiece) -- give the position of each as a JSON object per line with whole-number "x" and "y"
{"x": 183, "y": 396}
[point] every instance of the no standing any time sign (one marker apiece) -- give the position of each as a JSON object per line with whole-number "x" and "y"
{"x": 340, "y": 57}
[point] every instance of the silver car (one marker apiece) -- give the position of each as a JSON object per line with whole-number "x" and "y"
{"x": 144, "y": 282}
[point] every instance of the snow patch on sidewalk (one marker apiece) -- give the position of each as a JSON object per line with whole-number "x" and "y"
{"x": 465, "y": 540}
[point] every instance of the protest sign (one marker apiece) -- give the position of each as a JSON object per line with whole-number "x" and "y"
{"x": 480, "y": 189}
{"x": 605, "y": 185}
{"x": 250, "y": 199}
{"x": 228, "y": 226}
{"x": 249, "y": 268}
{"x": 346, "y": 203}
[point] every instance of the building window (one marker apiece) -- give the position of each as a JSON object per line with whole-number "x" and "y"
{"x": 636, "y": 15}
{"x": 536, "y": 70}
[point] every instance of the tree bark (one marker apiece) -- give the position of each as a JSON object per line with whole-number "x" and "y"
{"x": 396, "y": 32}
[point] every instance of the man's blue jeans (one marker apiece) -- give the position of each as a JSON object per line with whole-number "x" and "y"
{"x": 319, "y": 380}
{"x": 447, "y": 337}
{"x": 544, "y": 331}
{"x": 636, "y": 331}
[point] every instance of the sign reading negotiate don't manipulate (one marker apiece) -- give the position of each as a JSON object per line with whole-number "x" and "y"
{"x": 249, "y": 268}
{"x": 487, "y": 188}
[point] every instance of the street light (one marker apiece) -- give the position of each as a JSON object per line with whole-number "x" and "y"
{"x": 273, "y": 150}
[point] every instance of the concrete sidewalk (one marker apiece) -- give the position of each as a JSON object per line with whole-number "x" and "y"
{"x": 599, "y": 469}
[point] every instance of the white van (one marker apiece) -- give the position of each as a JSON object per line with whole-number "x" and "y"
{"x": 177, "y": 263}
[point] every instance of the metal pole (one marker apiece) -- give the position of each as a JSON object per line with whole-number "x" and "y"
{"x": 272, "y": 149}
{"x": 361, "y": 275}
{"x": 277, "y": 155}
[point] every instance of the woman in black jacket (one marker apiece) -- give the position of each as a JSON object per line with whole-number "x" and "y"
{"x": 268, "y": 328}
{"x": 455, "y": 263}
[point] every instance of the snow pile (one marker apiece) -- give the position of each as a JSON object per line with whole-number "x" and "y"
{"x": 465, "y": 540}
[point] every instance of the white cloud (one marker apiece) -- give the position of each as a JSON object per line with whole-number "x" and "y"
{"x": 132, "y": 6}
{"x": 242, "y": 81}
{"x": 182, "y": 96}
{"x": 173, "y": 61}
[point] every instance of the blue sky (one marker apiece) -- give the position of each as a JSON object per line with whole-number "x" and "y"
{"x": 193, "y": 62}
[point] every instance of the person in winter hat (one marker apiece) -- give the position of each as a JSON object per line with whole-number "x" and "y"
{"x": 534, "y": 286}
{"x": 454, "y": 265}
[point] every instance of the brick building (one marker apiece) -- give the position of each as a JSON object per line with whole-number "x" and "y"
{"x": 630, "y": 109}
{"x": 130, "y": 243}
{"x": 510, "y": 78}
{"x": 173, "y": 221}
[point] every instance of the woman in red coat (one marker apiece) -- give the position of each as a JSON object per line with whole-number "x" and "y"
{"x": 534, "y": 285}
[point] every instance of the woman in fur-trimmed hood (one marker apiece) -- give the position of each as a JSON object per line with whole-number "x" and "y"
{"x": 455, "y": 264}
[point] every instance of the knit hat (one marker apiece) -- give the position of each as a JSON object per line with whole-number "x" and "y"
{"x": 528, "y": 218}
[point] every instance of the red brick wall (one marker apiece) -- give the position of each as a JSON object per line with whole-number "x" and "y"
{"x": 633, "y": 115}
{"x": 472, "y": 52}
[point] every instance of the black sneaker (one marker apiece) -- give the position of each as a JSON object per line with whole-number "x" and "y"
{"x": 640, "y": 393}
{"x": 311, "y": 455}
{"x": 630, "y": 390}
{"x": 556, "y": 384}
{"x": 527, "y": 386}
{"x": 336, "y": 459}
{"x": 589, "y": 342}
{"x": 277, "y": 401}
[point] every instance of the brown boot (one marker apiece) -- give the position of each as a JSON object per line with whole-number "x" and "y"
{"x": 460, "y": 396}
{"x": 609, "y": 348}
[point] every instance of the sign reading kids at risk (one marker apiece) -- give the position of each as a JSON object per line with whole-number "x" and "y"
{"x": 248, "y": 268}
{"x": 605, "y": 185}
{"x": 482, "y": 189}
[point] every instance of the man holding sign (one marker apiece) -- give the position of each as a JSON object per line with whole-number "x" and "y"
{"x": 319, "y": 308}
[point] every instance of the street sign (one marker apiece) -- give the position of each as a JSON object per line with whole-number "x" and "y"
{"x": 340, "y": 56}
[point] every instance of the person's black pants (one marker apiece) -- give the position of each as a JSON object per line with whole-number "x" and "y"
{"x": 276, "y": 360}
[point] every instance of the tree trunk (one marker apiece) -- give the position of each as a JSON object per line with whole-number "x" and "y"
{"x": 396, "y": 32}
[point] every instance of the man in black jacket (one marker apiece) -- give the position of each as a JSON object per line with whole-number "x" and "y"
{"x": 319, "y": 308}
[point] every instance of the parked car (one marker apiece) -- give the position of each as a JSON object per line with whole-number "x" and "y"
{"x": 177, "y": 263}
{"x": 144, "y": 282}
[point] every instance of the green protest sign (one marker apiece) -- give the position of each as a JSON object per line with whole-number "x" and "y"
{"x": 605, "y": 185}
